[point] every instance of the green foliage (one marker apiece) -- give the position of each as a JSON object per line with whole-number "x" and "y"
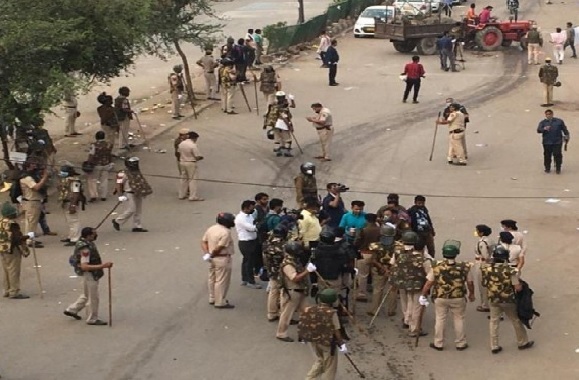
{"x": 271, "y": 29}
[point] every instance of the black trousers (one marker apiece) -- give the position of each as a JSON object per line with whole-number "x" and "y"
{"x": 248, "y": 249}
{"x": 554, "y": 151}
{"x": 332, "y": 73}
{"x": 412, "y": 83}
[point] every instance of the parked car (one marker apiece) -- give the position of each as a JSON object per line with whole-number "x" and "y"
{"x": 365, "y": 24}
{"x": 424, "y": 6}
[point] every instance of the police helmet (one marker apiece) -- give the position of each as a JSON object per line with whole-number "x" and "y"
{"x": 500, "y": 253}
{"x": 409, "y": 238}
{"x": 388, "y": 230}
{"x": 327, "y": 236}
{"x": 450, "y": 251}
{"x": 226, "y": 219}
{"x": 308, "y": 168}
{"x": 280, "y": 231}
{"x": 132, "y": 163}
{"x": 68, "y": 169}
{"x": 280, "y": 94}
{"x": 178, "y": 68}
{"x": 270, "y": 134}
{"x": 8, "y": 210}
{"x": 328, "y": 296}
{"x": 293, "y": 248}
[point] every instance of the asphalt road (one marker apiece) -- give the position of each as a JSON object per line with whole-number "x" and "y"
{"x": 164, "y": 328}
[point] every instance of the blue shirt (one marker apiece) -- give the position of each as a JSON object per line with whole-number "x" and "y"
{"x": 554, "y": 135}
{"x": 335, "y": 213}
{"x": 350, "y": 220}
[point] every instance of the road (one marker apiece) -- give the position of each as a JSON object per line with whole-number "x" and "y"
{"x": 163, "y": 326}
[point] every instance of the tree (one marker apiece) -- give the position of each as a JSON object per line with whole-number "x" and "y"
{"x": 49, "y": 47}
{"x": 173, "y": 22}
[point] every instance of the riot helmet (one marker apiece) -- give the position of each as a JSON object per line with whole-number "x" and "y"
{"x": 293, "y": 248}
{"x": 280, "y": 231}
{"x": 226, "y": 219}
{"x": 308, "y": 168}
{"x": 500, "y": 254}
{"x": 327, "y": 236}
{"x": 450, "y": 249}
{"x": 178, "y": 68}
{"x": 132, "y": 163}
{"x": 328, "y": 296}
{"x": 409, "y": 238}
{"x": 67, "y": 170}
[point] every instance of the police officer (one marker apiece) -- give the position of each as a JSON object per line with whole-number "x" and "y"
{"x": 72, "y": 200}
{"x": 70, "y": 105}
{"x": 382, "y": 253}
{"x": 183, "y": 135}
{"x": 456, "y": 129}
{"x": 294, "y": 283}
{"x": 461, "y": 108}
{"x": 100, "y": 157}
{"x": 501, "y": 282}
{"x": 91, "y": 266}
{"x": 12, "y": 248}
{"x": 279, "y": 118}
{"x": 409, "y": 275}
{"x": 176, "y": 87}
{"x": 124, "y": 116}
{"x": 109, "y": 121}
{"x": 548, "y": 76}
{"x": 32, "y": 197}
{"x": 133, "y": 188}
{"x": 273, "y": 254}
{"x": 228, "y": 80}
{"x": 306, "y": 184}
{"x": 217, "y": 245}
{"x": 534, "y": 44}
{"x": 269, "y": 83}
{"x": 330, "y": 261}
{"x": 450, "y": 280}
{"x": 319, "y": 325}
{"x": 482, "y": 254}
{"x": 208, "y": 63}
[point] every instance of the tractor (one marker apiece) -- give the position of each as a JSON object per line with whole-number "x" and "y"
{"x": 494, "y": 34}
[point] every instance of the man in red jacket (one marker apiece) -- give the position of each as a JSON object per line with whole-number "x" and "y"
{"x": 414, "y": 71}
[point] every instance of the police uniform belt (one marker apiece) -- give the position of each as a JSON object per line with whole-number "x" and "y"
{"x": 480, "y": 259}
{"x": 31, "y": 200}
{"x": 130, "y": 192}
{"x": 220, "y": 255}
{"x": 456, "y": 131}
{"x": 328, "y": 127}
{"x": 298, "y": 290}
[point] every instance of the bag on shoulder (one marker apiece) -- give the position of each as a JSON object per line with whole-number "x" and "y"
{"x": 15, "y": 191}
{"x": 74, "y": 261}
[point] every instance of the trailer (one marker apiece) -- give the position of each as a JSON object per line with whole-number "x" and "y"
{"x": 407, "y": 35}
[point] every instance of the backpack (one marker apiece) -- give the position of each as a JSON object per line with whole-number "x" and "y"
{"x": 74, "y": 261}
{"x": 15, "y": 191}
{"x": 525, "y": 309}
{"x": 316, "y": 325}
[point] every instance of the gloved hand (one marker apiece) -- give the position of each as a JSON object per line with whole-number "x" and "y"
{"x": 291, "y": 97}
{"x": 423, "y": 301}
{"x": 123, "y": 198}
{"x": 311, "y": 268}
{"x": 343, "y": 349}
{"x": 30, "y": 235}
{"x": 356, "y": 271}
{"x": 207, "y": 257}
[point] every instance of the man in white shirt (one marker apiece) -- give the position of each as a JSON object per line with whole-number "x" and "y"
{"x": 248, "y": 244}
{"x": 325, "y": 42}
{"x": 558, "y": 40}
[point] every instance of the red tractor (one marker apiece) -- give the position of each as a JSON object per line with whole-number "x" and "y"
{"x": 494, "y": 34}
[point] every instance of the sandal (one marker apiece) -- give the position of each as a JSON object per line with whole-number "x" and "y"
{"x": 483, "y": 309}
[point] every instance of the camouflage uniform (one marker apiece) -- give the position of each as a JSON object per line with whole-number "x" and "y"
{"x": 499, "y": 280}
{"x": 381, "y": 257}
{"x": 71, "y": 196}
{"x": 409, "y": 275}
{"x": 306, "y": 186}
{"x": 280, "y": 113}
{"x": 293, "y": 297}
{"x": 227, "y": 79}
{"x": 449, "y": 294}
{"x": 135, "y": 187}
{"x": 11, "y": 250}
{"x": 272, "y": 259}
{"x": 548, "y": 75}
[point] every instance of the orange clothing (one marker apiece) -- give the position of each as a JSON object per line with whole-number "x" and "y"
{"x": 471, "y": 15}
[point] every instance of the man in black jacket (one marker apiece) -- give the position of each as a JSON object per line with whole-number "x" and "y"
{"x": 554, "y": 132}
{"x": 332, "y": 57}
{"x": 421, "y": 223}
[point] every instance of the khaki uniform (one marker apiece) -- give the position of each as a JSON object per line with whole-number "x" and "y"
{"x": 326, "y": 364}
{"x": 70, "y": 192}
{"x": 176, "y": 87}
{"x": 228, "y": 77}
{"x": 449, "y": 294}
{"x": 456, "y": 132}
{"x": 293, "y": 296}
{"x": 208, "y": 63}
{"x": 124, "y": 116}
{"x": 176, "y": 143}
{"x": 366, "y": 236}
{"x": 306, "y": 186}
{"x": 534, "y": 44}
{"x": 221, "y": 265}
{"x": 188, "y": 156}
{"x": 382, "y": 255}
{"x": 548, "y": 75}
{"x": 134, "y": 202}
{"x": 31, "y": 204}
{"x": 11, "y": 251}
{"x": 325, "y": 131}
{"x": 98, "y": 180}
{"x": 482, "y": 256}
{"x": 109, "y": 123}
{"x": 273, "y": 255}
{"x": 70, "y": 105}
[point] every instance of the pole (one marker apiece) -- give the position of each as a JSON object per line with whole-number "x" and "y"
{"x": 434, "y": 138}
{"x": 362, "y": 376}
{"x": 142, "y": 131}
{"x": 380, "y": 306}
{"x": 297, "y": 143}
{"x": 110, "y": 298}
{"x": 419, "y": 325}
{"x": 107, "y": 216}
{"x": 37, "y": 268}
{"x": 255, "y": 88}
{"x": 245, "y": 97}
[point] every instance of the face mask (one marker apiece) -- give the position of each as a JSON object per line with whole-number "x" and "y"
{"x": 309, "y": 172}
{"x": 63, "y": 174}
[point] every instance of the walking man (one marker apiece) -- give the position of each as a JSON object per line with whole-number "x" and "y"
{"x": 332, "y": 58}
{"x": 72, "y": 199}
{"x": 70, "y": 105}
{"x": 12, "y": 248}
{"x": 570, "y": 39}
{"x": 558, "y": 40}
{"x": 100, "y": 157}
{"x": 548, "y": 76}
{"x": 534, "y": 44}
{"x": 32, "y": 196}
{"x": 456, "y": 127}
{"x": 247, "y": 243}
{"x": 133, "y": 188}
{"x": 208, "y": 63}
{"x": 414, "y": 71}
{"x": 189, "y": 155}
{"x": 421, "y": 223}
{"x": 90, "y": 267}
{"x": 228, "y": 78}
{"x": 554, "y": 133}
{"x": 217, "y": 245}
{"x": 325, "y": 42}
{"x": 176, "y": 87}
{"x": 323, "y": 123}
{"x": 258, "y": 40}
{"x": 124, "y": 116}
{"x": 107, "y": 114}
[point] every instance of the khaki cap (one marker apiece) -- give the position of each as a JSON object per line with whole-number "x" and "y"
{"x": 184, "y": 131}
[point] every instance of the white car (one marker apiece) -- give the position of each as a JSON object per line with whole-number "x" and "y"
{"x": 365, "y": 24}
{"x": 423, "y": 6}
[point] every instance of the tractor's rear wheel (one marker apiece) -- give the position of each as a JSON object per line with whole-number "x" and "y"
{"x": 404, "y": 46}
{"x": 426, "y": 46}
{"x": 490, "y": 38}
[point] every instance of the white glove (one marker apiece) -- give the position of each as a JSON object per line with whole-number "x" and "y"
{"x": 343, "y": 349}
{"x": 423, "y": 301}
{"x": 207, "y": 257}
{"x": 356, "y": 271}
{"x": 291, "y": 97}
{"x": 123, "y": 198}
{"x": 311, "y": 268}
{"x": 30, "y": 235}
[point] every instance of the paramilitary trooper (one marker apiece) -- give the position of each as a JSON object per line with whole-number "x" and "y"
{"x": 409, "y": 276}
{"x": 502, "y": 281}
{"x": 279, "y": 119}
{"x": 71, "y": 197}
{"x": 450, "y": 280}
{"x": 12, "y": 248}
{"x": 294, "y": 284}
{"x": 382, "y": 253}
{"x": 319, "y": 325}
{"x": 132, "y": 188}
{"x": 228, "y": 81}
{"x": 272, "y": 259}
{"x": 176, "y": 86}
{"x": 306, "y": 184}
